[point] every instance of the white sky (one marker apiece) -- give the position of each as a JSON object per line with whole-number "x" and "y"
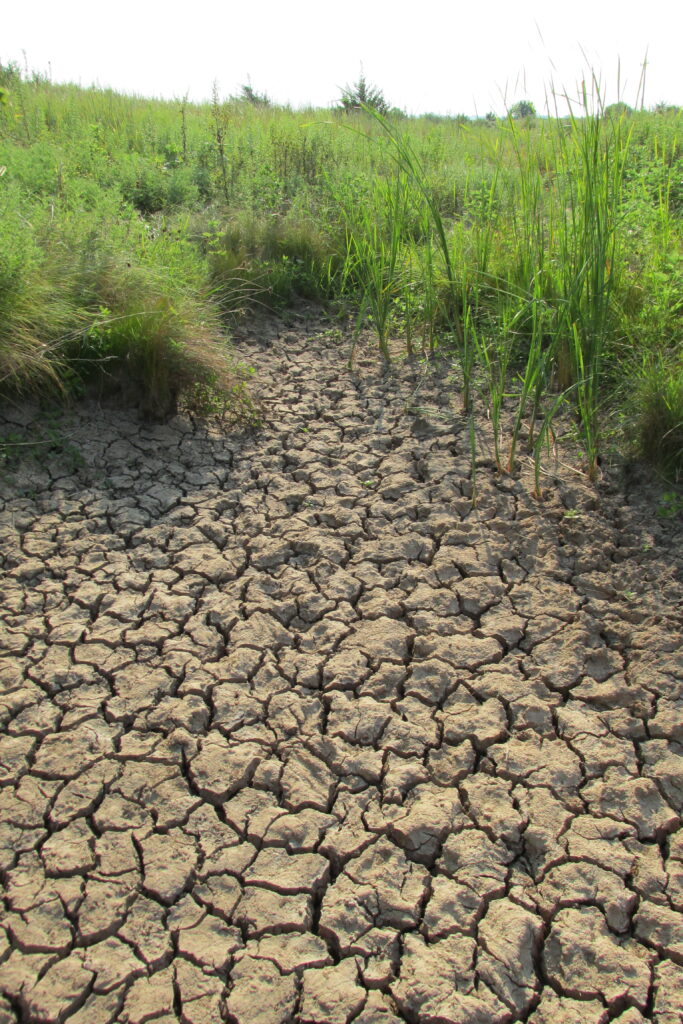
{"x": 444, "y": 57}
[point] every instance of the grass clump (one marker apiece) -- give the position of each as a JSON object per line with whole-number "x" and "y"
{"x": 657, "y": 413}
{"x": 267, "y": 261}
{"x": 158, "y": 346}
{"x": 34, "y": 308}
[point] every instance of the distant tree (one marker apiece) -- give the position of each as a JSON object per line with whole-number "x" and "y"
{"x": 361, "y": 93}
{"x": 491, "y": 118}
{"x": 249, "y": 95}
{"x": 524, "y": 108}
{"x": 619, "y": 109}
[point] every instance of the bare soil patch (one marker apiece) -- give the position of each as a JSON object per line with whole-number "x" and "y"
{"x": 293, "y": 734}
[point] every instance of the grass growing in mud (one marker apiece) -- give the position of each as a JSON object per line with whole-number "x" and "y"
{"x": 544, "y": 255}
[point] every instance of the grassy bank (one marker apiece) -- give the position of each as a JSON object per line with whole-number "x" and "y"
{"x": 544, "y": 255}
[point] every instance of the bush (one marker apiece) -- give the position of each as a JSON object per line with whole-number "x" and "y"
{"x": 248, "y": 94}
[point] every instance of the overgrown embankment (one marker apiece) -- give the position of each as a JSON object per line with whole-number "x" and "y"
{"x": 544, "y": 254}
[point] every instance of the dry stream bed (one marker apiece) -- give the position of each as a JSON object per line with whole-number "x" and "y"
{"x": 292, "y": 734}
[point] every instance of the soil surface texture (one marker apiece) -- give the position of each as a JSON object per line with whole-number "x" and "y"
{"x": 294, "y": 734}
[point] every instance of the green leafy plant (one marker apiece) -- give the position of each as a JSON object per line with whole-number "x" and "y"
{"x": 671, "y": 505}
{"x": 375, "y": 234}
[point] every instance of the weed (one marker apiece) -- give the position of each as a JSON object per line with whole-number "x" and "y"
{"x": 671, "y": 505}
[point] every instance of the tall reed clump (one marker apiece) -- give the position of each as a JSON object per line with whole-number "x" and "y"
{"x": 543, "y": 304}
{"x": 557, "y": 290}
{"x": 375, "y": 237}
{"x": 404, "y": 202}
{"x": 593, "y": 152}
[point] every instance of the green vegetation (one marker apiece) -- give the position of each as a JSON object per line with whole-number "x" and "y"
{"x": 542, "y": 255}
{"x": 363, "y": 95}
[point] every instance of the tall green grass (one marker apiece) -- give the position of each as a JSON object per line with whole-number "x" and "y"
{"x": 537, "y": 283}
{"x": 543, "y": 256}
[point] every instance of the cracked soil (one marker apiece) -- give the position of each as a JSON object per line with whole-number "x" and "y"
{"x": 293, "y": 734}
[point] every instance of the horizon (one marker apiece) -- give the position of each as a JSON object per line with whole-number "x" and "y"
{"x": 304, "y": 57}
{"x": 31, "y": 74}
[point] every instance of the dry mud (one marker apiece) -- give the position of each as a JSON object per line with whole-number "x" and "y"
{"x": 292, "y": 733}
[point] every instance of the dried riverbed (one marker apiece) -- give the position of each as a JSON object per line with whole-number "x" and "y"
{"x": 291, "y": 733}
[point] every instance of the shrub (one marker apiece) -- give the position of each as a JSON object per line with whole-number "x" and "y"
{"x": 269, "y": 260}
